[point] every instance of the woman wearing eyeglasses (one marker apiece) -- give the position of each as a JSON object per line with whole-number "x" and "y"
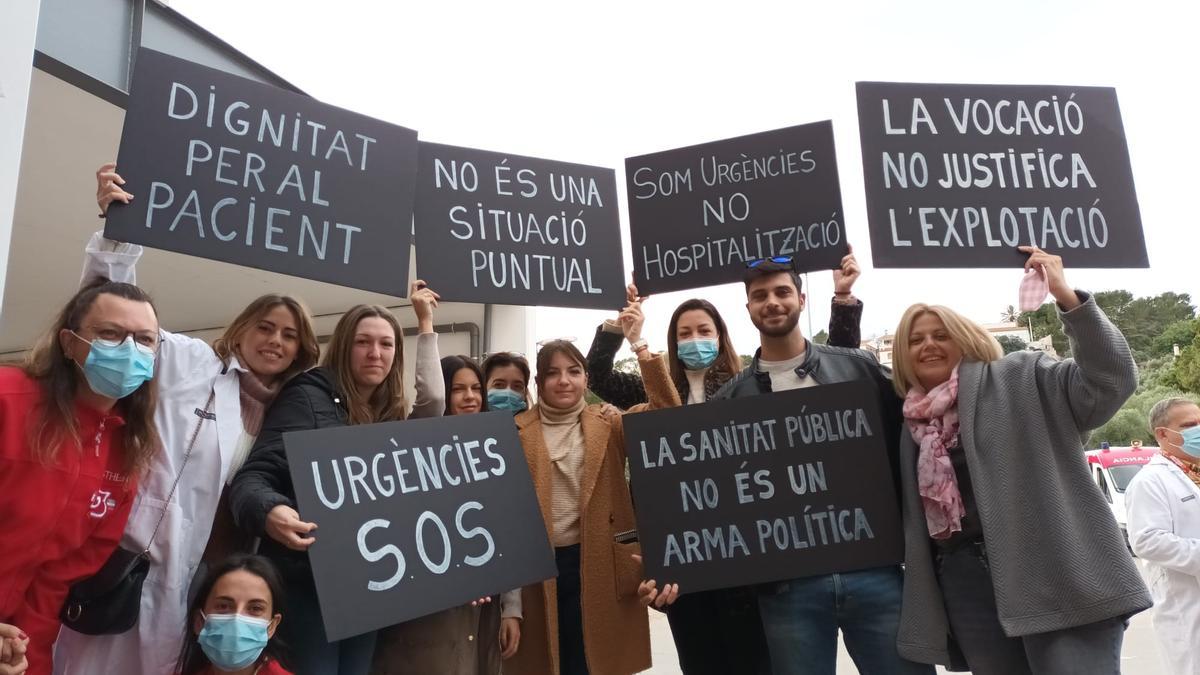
{"x": 76, "y": 432}
{"x": 213, "y": 400}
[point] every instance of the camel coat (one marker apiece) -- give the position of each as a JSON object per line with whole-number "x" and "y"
{"x": 616, "y": 630}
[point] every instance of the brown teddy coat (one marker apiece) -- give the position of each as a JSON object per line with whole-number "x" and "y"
{"x": 616, "y": 627}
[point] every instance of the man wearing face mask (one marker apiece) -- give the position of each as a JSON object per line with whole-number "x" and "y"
{"x": 1163, "y": 502}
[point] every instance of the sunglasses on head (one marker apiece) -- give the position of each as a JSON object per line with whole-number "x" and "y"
{"x": 779, "y": 260}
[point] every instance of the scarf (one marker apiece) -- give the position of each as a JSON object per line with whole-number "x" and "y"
{"x": 254, "y": 397}
{"x": 1189, "y": 469}
{"x": 932, "y": 419}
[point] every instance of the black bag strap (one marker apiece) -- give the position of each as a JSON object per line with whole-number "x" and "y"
{"x": 186, "y": 457}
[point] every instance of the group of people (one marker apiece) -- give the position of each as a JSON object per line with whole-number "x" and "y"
{"x": 116, "y": 433}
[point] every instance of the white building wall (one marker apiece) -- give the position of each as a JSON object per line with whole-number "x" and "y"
{"x": 18, "y": 33}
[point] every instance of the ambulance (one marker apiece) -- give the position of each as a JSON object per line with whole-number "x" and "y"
{"x": 1112, "y": 469}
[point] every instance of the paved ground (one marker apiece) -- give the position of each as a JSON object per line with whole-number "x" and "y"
{"x": 1139, "y": 654}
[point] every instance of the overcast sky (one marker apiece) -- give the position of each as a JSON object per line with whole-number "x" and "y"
{"x": 596, "y": 82}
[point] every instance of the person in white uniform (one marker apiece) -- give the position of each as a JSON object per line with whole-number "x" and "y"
{"x": 1163, "y": 505}
{"x": 217, "y": 394}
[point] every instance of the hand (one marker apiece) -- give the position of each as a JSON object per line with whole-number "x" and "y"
{"x": 13, "y": 643}
{"x": 845, "y": 276}
{"x": 108, "y": 189}
{"x": 610, "y": 412}
{"x": 649, "y": 594}
{"x": 487, "y": 600}
{"x": 1051, "y": 267}
{"x": 510, "y": 637}
{"x": 631, "y": 318}
{"x": 284, "y": 526}
{"x": 424, "y": 301}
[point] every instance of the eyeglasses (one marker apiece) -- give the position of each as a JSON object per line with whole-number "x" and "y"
{"x": 543, "y": 343}
{"x": 487, "y": 355}
{"x": 145, "y": 341}
{"x": 779, "y": 260}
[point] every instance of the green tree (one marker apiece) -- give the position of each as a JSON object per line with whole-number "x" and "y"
{"x": 1044, "y": 321}
{"x": 1132, "y": 421}
{"x": 1010, "y": 315}
{"x": 746, "y": 359}
{"x": 822, "y": 337}
{"x": 1011, "y": 343}
{"x": 1185, "y": 372}
{"x": 1180, "y": 333}
{"x": 1141, "y": 320}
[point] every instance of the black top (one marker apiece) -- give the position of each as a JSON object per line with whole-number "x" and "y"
{"x": 972, "y": 529}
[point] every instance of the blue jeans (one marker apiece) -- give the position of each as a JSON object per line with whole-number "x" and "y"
{"x": 802, "y": 618}
{"x": 970, "y": 600}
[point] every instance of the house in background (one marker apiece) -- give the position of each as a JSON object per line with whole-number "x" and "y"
{"x": 65, "y": 67}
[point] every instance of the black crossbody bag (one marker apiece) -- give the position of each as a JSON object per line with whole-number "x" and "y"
{"x": 108, "y": 602}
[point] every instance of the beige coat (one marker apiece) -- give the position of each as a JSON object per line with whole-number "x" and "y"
{"x": 616, "y": 631}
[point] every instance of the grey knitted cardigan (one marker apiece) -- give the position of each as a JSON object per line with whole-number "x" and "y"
{"x": 1057, "y": 559}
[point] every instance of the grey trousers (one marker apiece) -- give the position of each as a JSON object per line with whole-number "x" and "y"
{"x": 1092, "y": 649}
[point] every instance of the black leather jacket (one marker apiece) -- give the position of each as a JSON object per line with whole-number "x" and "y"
{"x": 829, "y": 365}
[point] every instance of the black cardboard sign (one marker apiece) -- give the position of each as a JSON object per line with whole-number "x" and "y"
{"x": 697, "y": 214}
{"x": 229, "y": 169}
{"x": 764, "y": 488}
{"x": 959, "y": 175}
{"x": 417, "y": 516}
{"x": 507, "y": 229}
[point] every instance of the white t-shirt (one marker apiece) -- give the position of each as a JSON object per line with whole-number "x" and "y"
{"x": 695, "y": 386}
{"x": 783, "y": 374}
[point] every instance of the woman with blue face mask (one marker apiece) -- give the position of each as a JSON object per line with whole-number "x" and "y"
{"x": 233, "y": 620}
{"x": 76, "y": 435}
{"x": 506, "y": 376}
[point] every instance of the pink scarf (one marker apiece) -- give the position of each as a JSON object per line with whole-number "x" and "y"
{"x": 933, "y": 422}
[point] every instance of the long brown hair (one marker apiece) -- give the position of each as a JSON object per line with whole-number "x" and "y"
{"x": 54, "y": 422}
{"x": 727, "y": 361}
{"x": 309, "y": 351}
{"x": 388, "y": 402}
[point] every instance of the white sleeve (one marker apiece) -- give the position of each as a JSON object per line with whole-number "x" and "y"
{"x": 112, "y": 260}
{"x": 510, "y": 605}
{"x": 1151, "y": 534}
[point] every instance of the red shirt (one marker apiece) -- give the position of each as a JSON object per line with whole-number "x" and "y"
{"x": 61, "y": 521}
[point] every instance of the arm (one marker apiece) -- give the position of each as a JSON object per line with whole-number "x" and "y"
{"x": 658, "y": 385}
{"x": 1096, "y": 383}
{"x": 431, "y": 388}
{"x": 845, "y": 316}
{"x": 264, "y": 481}
{"x": 37, "y": 615}
{"x": 1150, "y": 530}
{"x": 623, "y": 390}
{"x": 510, "y": 605}
{"x": 108, "y": 259}
{"x": 845, "y": 320}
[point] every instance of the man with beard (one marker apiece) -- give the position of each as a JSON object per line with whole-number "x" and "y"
{"x": 802, "y": 616}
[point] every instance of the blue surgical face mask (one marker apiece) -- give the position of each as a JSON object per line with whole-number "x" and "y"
{"x": 506, "y": 399}
{"x": 117, "y": 369}
{"x": 1191, "y": 441}
{"x": 233, "y": 641}
{"x": 698, "y": 354}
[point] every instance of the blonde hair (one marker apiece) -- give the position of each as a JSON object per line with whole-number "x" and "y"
{"x": 309, "y": 349}
{"x": 976, "y": 343}
{"x": 388, "y": 402}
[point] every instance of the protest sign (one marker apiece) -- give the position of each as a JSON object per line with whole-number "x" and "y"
{"x": 229, "y": 169}
{"x": 960, "y": 175}
{"x": 697, "y": 214}
{"x": 416, "y": 516}
{"x": 764, "y": 488}
{"x": 515, "y": 230}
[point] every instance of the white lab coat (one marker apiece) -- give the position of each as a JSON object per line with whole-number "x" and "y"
{"x": 188, "y": 371}
{"x": 1163, "y": 506}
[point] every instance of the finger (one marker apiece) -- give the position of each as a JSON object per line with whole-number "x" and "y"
{"x": 110, "y": 178}
{"x": 10, "y": 631}
{"x": 637, "y": 558}
{"x": 631, "y": 293}
{"x": 849, "y": 248}
{"x": 649, "y": 598}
